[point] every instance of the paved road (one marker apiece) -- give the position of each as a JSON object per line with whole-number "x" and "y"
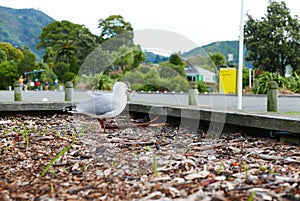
{"x": 257, "y": 103}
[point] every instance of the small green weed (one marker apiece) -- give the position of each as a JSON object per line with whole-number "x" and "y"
{"x": 57, "y": 157}
{"x": 155, "y": 165}
{"x": 252, "y": 196}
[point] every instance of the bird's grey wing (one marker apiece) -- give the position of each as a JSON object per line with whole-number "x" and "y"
{"x": 104, "y": 104}
{"x": 94, "y": 93}
{"x": 99, "y": 104}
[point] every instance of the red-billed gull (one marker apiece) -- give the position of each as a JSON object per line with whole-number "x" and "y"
{"x": 105, "y": 105}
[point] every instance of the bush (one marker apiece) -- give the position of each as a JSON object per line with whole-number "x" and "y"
{"x": 202, "y": 87}
{"x": 8, "y": 74}
{"x": 293, "y": 83}
{"x": 261, "y": 83}
{"x": 69, "y": 76}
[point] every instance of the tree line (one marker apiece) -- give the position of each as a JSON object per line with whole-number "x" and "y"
{"x": 72, "y": 51}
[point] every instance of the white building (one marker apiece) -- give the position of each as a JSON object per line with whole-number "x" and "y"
{"x": 195, "y": 73}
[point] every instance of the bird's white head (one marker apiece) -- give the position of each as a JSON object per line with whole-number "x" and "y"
{"x": 121, "y": 87}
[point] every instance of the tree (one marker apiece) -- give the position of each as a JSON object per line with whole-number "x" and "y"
{"x": 168, "y": 69}
{"x": 97, "y": 61}
{"x": 3, "y": 56}
{"x": 274, "y": 41}
{"x": 66, "y": 42}
{"x": 8, "y": 74}
{"x": 218, "y": 59}
{"x": 85, "y": 44}
{"x": 27, "y": 63}
{"x": 49, "y": 56}
{"x": 48, "y": 75}
{"x": 128, "y": 58}
{"x": 60, "y": 69}
{"x": 114, "y": 26}
{"x": 12, "y": 53}
{"x": 66, "y": 51}
{"x": 175, "y": 59}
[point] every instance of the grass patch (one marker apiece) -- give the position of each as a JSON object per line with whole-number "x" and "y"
{"x": 291, "y": 113}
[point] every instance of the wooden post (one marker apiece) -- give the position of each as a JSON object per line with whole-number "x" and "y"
{"x": 69, "y": 91}
{"x": 272, "y": 97}
{"x": 193, "y": 93}
{"x": 18, "y": 91}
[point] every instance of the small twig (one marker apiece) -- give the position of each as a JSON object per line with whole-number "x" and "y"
{"x": 139, "y": 143}
{"x": 146, "y": 124}
{"x": 76, "y": 190}
{"x": 43, "y": 138}
{"x": 206, "y": 147}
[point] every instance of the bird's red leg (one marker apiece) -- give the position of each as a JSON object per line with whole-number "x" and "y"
{"x": 101, "y": 121}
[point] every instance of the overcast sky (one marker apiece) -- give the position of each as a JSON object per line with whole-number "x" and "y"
{"x": 201, "y": 21}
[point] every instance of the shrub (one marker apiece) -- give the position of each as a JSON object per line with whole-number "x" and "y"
{"x": 69, "y": 76}
{"x": 202, "y": 87}
{"x": 293, "y": 83}
{"x": 261, "y": 83}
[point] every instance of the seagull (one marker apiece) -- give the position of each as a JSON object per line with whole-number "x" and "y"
{"x": 105, "y": 105}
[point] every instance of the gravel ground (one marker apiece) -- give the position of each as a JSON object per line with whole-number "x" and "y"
{"x": 64, "y": 157}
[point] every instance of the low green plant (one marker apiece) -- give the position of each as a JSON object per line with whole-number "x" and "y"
{"x": 57, "y": 157}
{"x": 291, "y": 112}
{"x": 170, "y": 161}
{"x": 45, "y": 131}
{"x": 147, "y": 148}
{"x": 57, "y": 133}
{"x": 114, "y": 163}
{"x": 64, "y": 169}
{"x": 245, "y": 167}
{"x": 252, "y": 196}
{"x": 265, "y": 169}
{"x": 202, "y": 87}
{"x": 220, "y": 169}
{"x": 51, "y": 188}
{"x": 6, "y": 131}
{"x": 25, "y": 131}
{"x": 16, "y": 130}
{"x": 293, "y": 83}
{"x": 155, "y": 165}
{"x": 82, "y": 131}
{"x": 39, "y": 132}
{"x": 27, "y": 141}
{"x": 188, "y": 150}
{"x": 53, "y": 172}
{"x": 261, "y": 83}
{"x": 9, "y": 146}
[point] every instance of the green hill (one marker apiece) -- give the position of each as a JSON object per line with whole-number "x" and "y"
{"x": 21, "y": 27}
{"x": 223, "y": 47}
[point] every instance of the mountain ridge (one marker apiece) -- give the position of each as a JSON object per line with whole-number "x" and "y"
{"x": 223, "y": 47}
{"x": 21, "y": 27}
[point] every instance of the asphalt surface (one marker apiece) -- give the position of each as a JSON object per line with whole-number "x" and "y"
{"x": 255, "y": 103}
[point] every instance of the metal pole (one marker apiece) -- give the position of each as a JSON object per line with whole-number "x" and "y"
{"x": 250, "y": 85}
{"x": 241, "y": 58}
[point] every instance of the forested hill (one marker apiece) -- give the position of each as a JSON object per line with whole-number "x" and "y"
{"x": 22, "y": 27}
{"x": 223, "y": 47}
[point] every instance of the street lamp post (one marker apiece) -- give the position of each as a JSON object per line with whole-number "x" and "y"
{"x": 241, "y": 58}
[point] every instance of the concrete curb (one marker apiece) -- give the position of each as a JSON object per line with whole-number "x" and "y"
{"x": 33, "y": 106}
{"x": 269, "y": 121}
